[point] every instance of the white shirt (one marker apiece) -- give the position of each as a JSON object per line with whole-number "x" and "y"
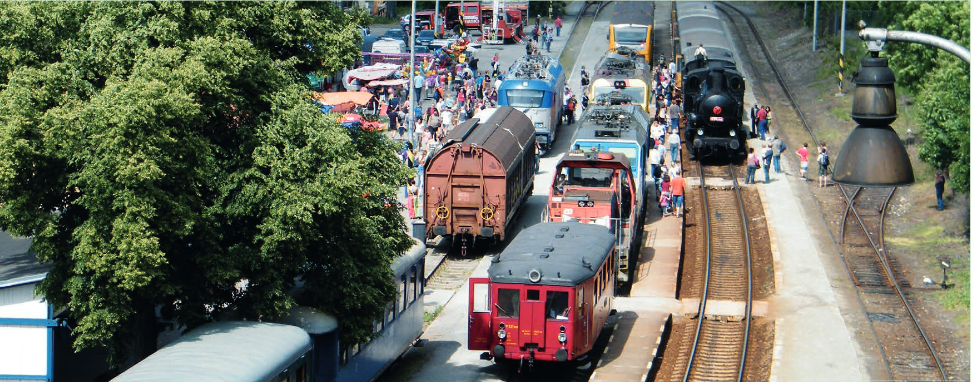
{"x": 674, "y": 139}
{"x": 655, "y": 157}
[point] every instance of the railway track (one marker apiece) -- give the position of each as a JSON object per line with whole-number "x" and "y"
{"x": 719, "y": 346}
{"x": 906, "y": 350}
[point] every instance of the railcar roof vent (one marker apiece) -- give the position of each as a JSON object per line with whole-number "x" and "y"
{"x": 544, "y": 255}
{"x": 496, "y": 259}
{"x": 548, "y": 249}
{"x": 560, "y": 235}
{"x": 585, "y": 263}
{"x": 564, "y": 229}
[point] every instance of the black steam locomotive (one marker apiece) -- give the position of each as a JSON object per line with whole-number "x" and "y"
{"x": 713, "y": 87}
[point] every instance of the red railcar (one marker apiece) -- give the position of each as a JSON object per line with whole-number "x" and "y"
{"x": 481, "y": 176}
{"x": 598, "y": 188}
{"x": 548, "y": 294}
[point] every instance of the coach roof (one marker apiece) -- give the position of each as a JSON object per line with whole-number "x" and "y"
{"x": 564, "y": 254}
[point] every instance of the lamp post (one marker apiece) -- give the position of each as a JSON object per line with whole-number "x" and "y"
{"x": 873, "y": 154}
{"x": 411, "y": 79}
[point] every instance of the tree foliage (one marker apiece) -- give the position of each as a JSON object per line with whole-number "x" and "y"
{"x": 161, "y": 154}
{"x": 939, "y": 81}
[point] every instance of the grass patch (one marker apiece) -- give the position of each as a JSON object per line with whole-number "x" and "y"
{"x": 841, "y": 113}
{"x": 430, "y": 316}
{"x": 924, "y": 235}
{"x": 958, "y": 296}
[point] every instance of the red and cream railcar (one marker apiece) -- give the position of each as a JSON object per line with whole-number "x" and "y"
{"x": 548, "y": 294}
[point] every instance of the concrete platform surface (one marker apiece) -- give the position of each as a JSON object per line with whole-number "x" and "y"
{"x": 632, "y": 349}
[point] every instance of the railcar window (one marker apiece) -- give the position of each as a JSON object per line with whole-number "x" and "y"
{"x": 532, "y": 295}
{"x": 402, "y": 295}
{"x": 580, "y": 305}
{"x": 507, "y": 303}
{"x": 630, "y": 34}
{"x": 558, "y": 305}
{"x": 525, "y": 97}
{"x": 414, "y": 287}
{"x": 389, "y": 313}
{"x": 480, "y": 298}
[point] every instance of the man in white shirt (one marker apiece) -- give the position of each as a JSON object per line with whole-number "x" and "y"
{"x": 674, "y": 142}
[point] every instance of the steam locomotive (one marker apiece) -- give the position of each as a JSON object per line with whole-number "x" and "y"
{"x": 713, "y": 87}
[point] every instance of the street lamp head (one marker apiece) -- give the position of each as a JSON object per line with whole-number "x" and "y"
{"x": 873, "y": 154}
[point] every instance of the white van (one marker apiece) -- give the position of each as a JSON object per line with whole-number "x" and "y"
{"x": 389, "y": 46}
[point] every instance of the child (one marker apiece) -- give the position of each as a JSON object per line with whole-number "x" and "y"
{"x": 664, "y": 203}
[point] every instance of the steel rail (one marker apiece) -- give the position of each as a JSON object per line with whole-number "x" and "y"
{"x": 704, "y": 297}
{"x": 879, "y": 249}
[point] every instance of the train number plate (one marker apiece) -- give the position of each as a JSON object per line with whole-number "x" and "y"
{"x": 717, "y": 119}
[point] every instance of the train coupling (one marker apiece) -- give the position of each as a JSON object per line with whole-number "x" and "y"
{"x": 486, "y": 356}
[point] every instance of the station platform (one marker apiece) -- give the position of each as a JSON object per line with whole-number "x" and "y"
{"x": 660, "y": 257}
{"x": 633, "y": 347}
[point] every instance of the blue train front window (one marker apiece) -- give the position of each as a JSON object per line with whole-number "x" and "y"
{"x": 525, "y": 97}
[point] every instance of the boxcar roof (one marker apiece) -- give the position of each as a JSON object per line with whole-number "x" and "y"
{"x": 505, "y": 133}
{"x": 563, "y": 254}
{"x": 224, "y": 351}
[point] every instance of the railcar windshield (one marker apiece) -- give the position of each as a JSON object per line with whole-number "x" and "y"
{"x": 558, "y": 305}
{"x": 507, "y": 303}
{"x": 525, "y": 97}
{"x": 637, "y": 94}
{"x": 630, "y": 34}
{"x": 587, "y": 176}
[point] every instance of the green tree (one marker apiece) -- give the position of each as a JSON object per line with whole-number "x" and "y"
{"x": 938, "y": 80}
{"x": 163, "y": 155}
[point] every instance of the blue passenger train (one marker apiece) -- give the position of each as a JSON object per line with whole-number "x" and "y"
{"x": 300, "y": 347}
{"x": 534, "y": 85}
{"x": 620, "y": 129}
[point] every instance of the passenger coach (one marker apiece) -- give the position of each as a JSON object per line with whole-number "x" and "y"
{"x": 548, "y": 294}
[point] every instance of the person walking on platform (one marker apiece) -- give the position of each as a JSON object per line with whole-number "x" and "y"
{"x": 766, "y": 160}
{"x": 677, "y": 193}
{"x": 559, "y": 25}
{"x": 674, "y": 142}
{"x": 753, "y": 164}
{"x": 763, "y": 122}
{"x": 778, "y": 146}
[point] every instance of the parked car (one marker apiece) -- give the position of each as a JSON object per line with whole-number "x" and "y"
{"x": 395, "y": 34}
{"x": 387, "y": 45}
{"x": 424, "y": 38}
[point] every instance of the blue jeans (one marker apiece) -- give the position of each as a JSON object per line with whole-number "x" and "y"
{"x": 763, "y": 126}
{"x": 675, "y": 123}
{"x": 750, "y": 174}
{"x": 776, "y": 165}
{"x": 940, "y": 199}
{"x": 558, "y": 31}
{"x": 765, "y": 169}
{"x": 674, "y": 153}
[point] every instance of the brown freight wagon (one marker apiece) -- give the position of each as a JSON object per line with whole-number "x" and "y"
{"x": 481, "y": 176}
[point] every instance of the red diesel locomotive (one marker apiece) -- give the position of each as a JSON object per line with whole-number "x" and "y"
{"x": 548, "y": 294}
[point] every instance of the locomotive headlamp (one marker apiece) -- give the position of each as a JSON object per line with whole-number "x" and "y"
{"x": 873, "y": 154}
{"x": 701, "y": 131}
{"x": 501, "y": 334}
{"x": 562, "y": 336}
{"x": 731, "y": 133}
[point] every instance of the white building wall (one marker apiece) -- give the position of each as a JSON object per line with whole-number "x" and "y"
{"x": 23, "y": 349}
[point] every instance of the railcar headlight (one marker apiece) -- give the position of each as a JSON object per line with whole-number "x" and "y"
{"x": 539, "y": 124}
{"x": 731, "y": 133}
{"x": 502, "y": 334}
{"x": 701, "y": 131}
{"x": 562, "y": 336}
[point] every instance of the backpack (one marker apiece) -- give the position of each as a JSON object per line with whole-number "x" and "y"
{"x": 824, "y": 159}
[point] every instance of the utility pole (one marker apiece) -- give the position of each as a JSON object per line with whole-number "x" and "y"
{"x": 815, "y": 18}
{"x": 436, "y": 21}
{"x": 411, "y": 79}
{"x": 842, "y": 45}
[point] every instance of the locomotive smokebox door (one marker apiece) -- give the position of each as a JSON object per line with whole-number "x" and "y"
{"x": 480, "y": 314}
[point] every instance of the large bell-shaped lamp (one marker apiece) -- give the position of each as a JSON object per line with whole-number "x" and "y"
{"x": 873, "y": 155}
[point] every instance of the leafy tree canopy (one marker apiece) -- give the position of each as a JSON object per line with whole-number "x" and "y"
{"x": 939, "y": 81}
{"x": 162, "y": 154}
